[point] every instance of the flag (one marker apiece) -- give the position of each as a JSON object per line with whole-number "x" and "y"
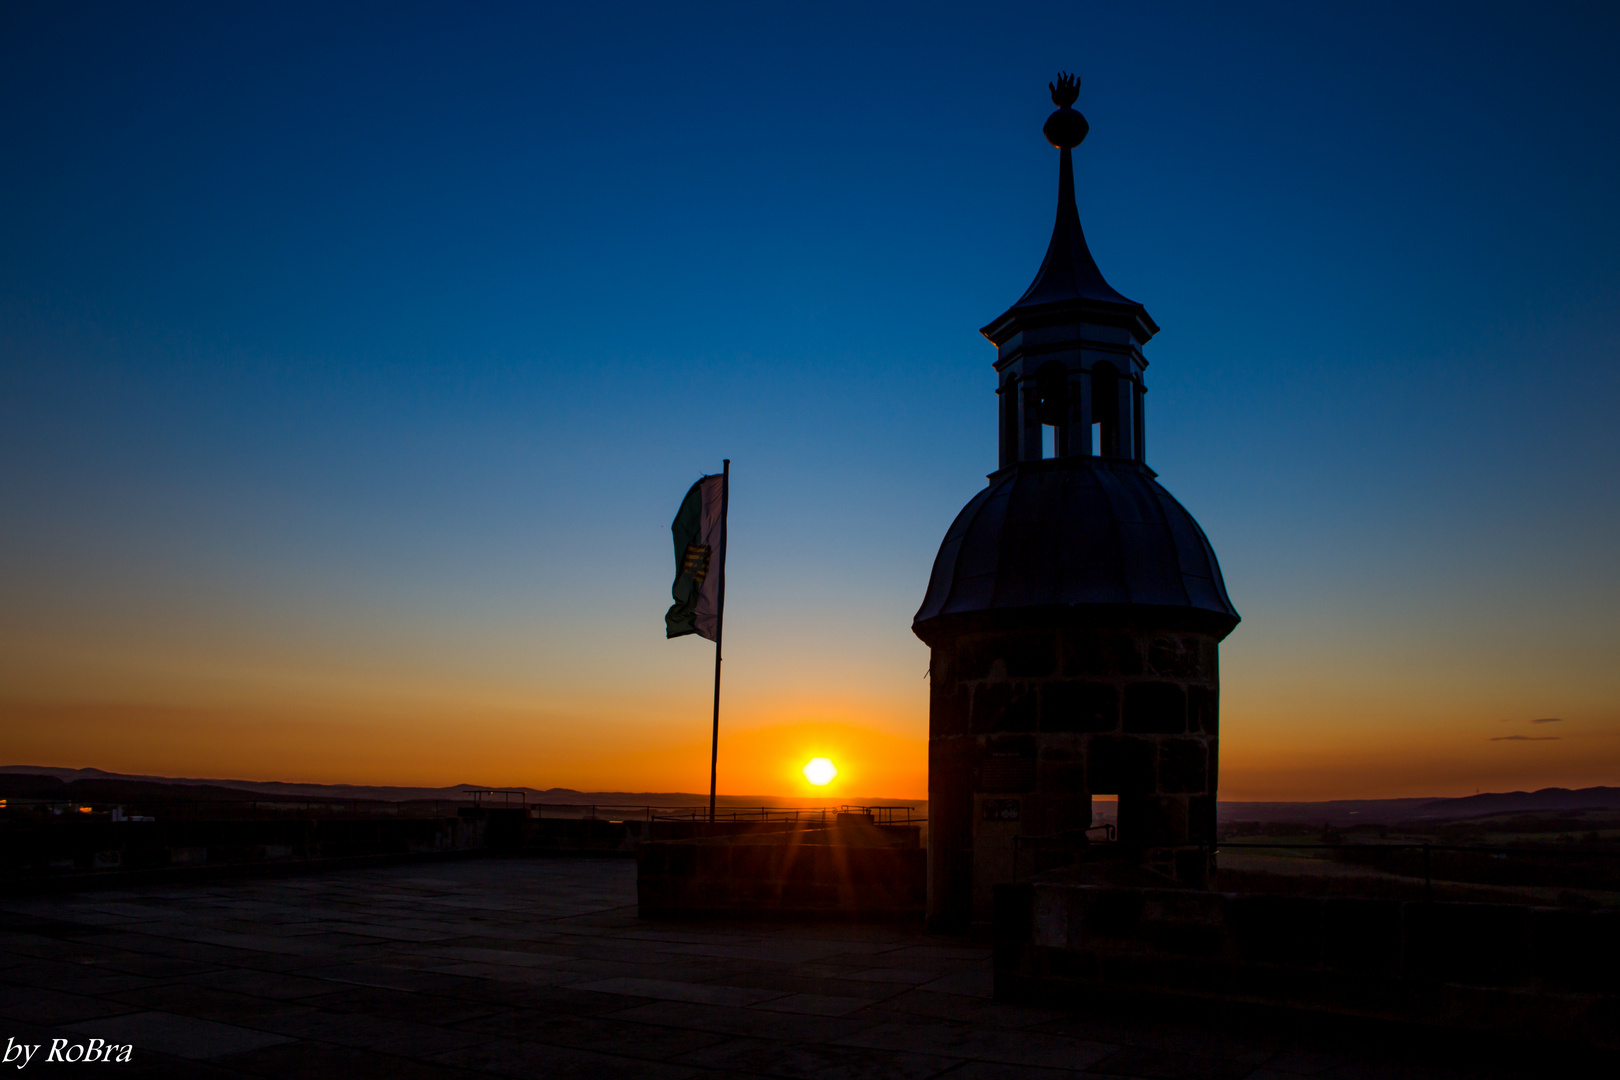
{"x": 700, "y": 561}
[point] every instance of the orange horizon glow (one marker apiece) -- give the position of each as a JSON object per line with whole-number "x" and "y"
{"x": 756, "y": 758}
{"x": 510, "y": 705}
{"x": 243, "y": 744}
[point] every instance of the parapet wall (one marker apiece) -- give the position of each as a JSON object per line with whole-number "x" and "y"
{"x": 600, "y": 836}
{"x": 1505, "y": 968}
{"x": 869, "y": 872}
{"x": 72, "y": 852}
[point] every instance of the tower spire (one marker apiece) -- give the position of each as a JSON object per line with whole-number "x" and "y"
{"x": 1068, "y": 272}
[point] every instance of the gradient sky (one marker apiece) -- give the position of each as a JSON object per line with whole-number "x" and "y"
{"x": 354, "y": 360}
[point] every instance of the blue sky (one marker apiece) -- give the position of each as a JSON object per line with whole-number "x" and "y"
{"x": 353, "y": 360}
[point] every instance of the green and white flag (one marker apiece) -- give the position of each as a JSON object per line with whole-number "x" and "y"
{"x": 700, "y": 561}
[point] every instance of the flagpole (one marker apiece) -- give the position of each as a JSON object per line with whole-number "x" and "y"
{"x": 719, "y": 631}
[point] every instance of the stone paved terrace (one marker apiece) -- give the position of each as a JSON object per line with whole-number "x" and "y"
{"x": 540, "y": 968}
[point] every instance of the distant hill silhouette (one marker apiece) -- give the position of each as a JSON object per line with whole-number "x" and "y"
{"x": 1553, "y": 798}
{"x": 96, "y": 785}
{"x": 47, "y": 782}
{"x": 1336, "y": 812}
{"x": 113, "y": 789}
{"x": 1345, "y": 812}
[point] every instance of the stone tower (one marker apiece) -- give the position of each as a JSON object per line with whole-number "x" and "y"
{"x": 1075, "y": 609}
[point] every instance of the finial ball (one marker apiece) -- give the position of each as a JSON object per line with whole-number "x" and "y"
{"x": 1065, "y": 129}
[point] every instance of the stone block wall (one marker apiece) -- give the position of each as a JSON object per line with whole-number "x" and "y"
{"x": 1536, "y": 972}
{"x": 1026, "y": 726}
{"x": 830, "y": 873}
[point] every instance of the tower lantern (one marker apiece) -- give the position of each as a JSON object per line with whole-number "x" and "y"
{"x": 1069, "y": 352}
{"x": 1075, "y": 608}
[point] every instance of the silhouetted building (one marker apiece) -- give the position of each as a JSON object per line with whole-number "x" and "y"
{"x": 1075, "y": 609}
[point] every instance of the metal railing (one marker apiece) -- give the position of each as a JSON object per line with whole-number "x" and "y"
{"x": 811, "y": 815}
{"x": 233, "y": 809}
{"x": 505, "y": 793}
{"x": 281, "y": 809}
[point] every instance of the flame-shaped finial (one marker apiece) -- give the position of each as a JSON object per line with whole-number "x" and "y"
{"x": 1066, "y": 91}
{"x": 1065, "y": 129}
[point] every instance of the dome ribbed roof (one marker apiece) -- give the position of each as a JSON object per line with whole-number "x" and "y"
{"x": 1077, "y": 532}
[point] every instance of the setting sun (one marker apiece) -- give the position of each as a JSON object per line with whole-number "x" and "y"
{"x": 819, "y": 771}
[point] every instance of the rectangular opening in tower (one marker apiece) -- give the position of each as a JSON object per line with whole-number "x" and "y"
{"x": 1048, "y": 441}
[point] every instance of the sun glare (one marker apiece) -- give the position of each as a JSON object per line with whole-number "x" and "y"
{"x": 819, "y": 771}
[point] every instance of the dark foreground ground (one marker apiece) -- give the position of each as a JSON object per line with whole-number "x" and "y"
{"x": 540, "y": 968}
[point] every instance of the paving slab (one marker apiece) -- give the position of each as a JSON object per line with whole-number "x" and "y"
{"x": 527, "y": 1060}
{"x": 178, "y": 1036}
{"x": 385, "y": 976}
{"x": 41, "y": 1005}
{"x": 995, "y": 1070}
{"x": 756, "y": 1022}
{"x": 911, "y": 977}
{"x": 602, "y": 1034}
{"x": 980, "y": 1044}
{"x": 265, "y": 984}
{"x": 814, "y": 1004}
{"x": 511, "y": 957}
{"x": 505, "y": 973}
{"x": 205, "y": 1003}
{"x": 801, "y": 1061}
{"x": 915, "y": 1005}
{"x": 979, "y": 983}
{"x": 790, "y": 980}
{"x": 402, "y": 1037}
{"x": 74, "y": 977}
{"x": 667, "y": 990}
{"x": 321, "y": 1061}
{"x": 402, "y": 1005}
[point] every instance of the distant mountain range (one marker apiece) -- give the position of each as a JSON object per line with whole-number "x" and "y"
{"x": 1553, "y": 798}
{"x": 37, "y": 781}
{"x": 1342, "y": 812}
{"x": 24, "y": 781}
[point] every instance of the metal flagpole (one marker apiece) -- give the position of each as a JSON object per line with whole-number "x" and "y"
{"x": 719, "y": 630}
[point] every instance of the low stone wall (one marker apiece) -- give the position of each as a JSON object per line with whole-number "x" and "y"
{"x": 72, "y": 851}
{"x": 1504, "y": 968}
{"x": 601, "y": 836}
{"x": 868, "y": 872}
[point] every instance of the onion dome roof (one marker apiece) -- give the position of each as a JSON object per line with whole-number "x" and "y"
{"x": 1076, "y": 535}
